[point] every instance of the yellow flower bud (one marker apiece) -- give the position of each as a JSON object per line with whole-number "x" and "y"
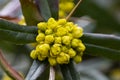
{"x": 71, "y": 53}
{"x": 64, "y": 49}
{"x": 48, "y": 31}
{"x": 55, "y": 50}
{"x": 62, "y": 21}
{"x": 51, "y": 23}
{"x": 43, "y": 49}
{"x": 80, "y": 53}
{"x": 77, "y": 58}
{"x": 63, "y": 58}
{"x": 69, "y": 26}
{"x": 41, "y": 58}
{"x": 69, "y": 6}
{"x": 77, "y": 32}
{"x": 81, "y": 47}
{"x": 66, "y": 40}
{"x": 40, "y": 37}
{"x": 62, "y": 13}
{"x": 33, "y": 54}
{"x": 49, "y": 39}
{"x": 42, "y": 26}
{"x": 75, "y": 43}
{"x": 52, "y": 61}
{"x": 58, "y": 40}
{"x": 61, "y": 31}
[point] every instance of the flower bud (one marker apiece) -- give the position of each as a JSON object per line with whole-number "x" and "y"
{"x": 51, "y": 23}
{"x": 52, "y": 61}
{"x": 42, "y": 26}
{"x": 48, "y": 31}
{"x": 75, "y": 43}
{"x": 43, "y": 49}
{"x": 58, "y": 40}
{"x": 69, "y": 6}
{"x": 77, "y": 32}
{"x": 69, "y": 26}
{"x": 33, "y": 54}
{"x": 41, "y": 58}
{"x": 62, "y": 21}
{"x": 66, "y": 40}
{"x": 63, "y": 58}
{"x": 62, "y": 13}
{"x": 81, "y": 47}
{"x": 49, "y": 39}
{"x": 77, "y": 58}
{"x": 64, "y": 49}
{"x": 71, "y": 52}
{"x": 61, "y": 31}
{"x": 40, "y": 37}
{"x": 55, "y": 50}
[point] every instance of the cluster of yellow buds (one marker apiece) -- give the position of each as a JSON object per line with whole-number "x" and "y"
{"x": 58, "y": 41}
{"x": 65, "y": 7}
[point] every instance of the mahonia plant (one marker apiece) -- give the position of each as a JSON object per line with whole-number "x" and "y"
{"x": 58, "y": 41}
{"x": 65, "y": 7}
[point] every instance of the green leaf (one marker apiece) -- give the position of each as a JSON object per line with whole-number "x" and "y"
{"x": 65, "y": 72}
{"x": 105, "y": 40}
{"x": 96, "y": 50}
{"x": 48, "y": 8}
{"x": 74, "y": 74}
{"x": 105, "y": 20}
{"x": 36, "y": 70}
{"x": 53, "y": 5}
{"x": 30, "y": 12}
{"x": 44, "y": 9}
{"x": 16, "y": 33}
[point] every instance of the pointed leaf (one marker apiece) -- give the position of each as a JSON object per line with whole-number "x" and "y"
{"x": 44, "y": 9}
{"x": 48, "y": 8}
{"x": 53, "y": 5}
{"x": 105, "y": 21}
{"x": 74, "y": 74}
{"x": 65, "y": 72}
{"x": 96, "y": 50}
{"x": 105, "y": 40}
{"x": 36, "y": 70}
{"x": 16, "y": 33}
{"x": 30, "y": 12}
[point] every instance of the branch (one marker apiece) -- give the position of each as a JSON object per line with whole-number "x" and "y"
{"x": 8, "y": 69}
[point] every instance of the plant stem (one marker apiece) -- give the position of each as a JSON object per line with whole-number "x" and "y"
{"x": 69, "y": 15}
{"x": 52, "y": 73}
{"x": 8, "y": 69}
